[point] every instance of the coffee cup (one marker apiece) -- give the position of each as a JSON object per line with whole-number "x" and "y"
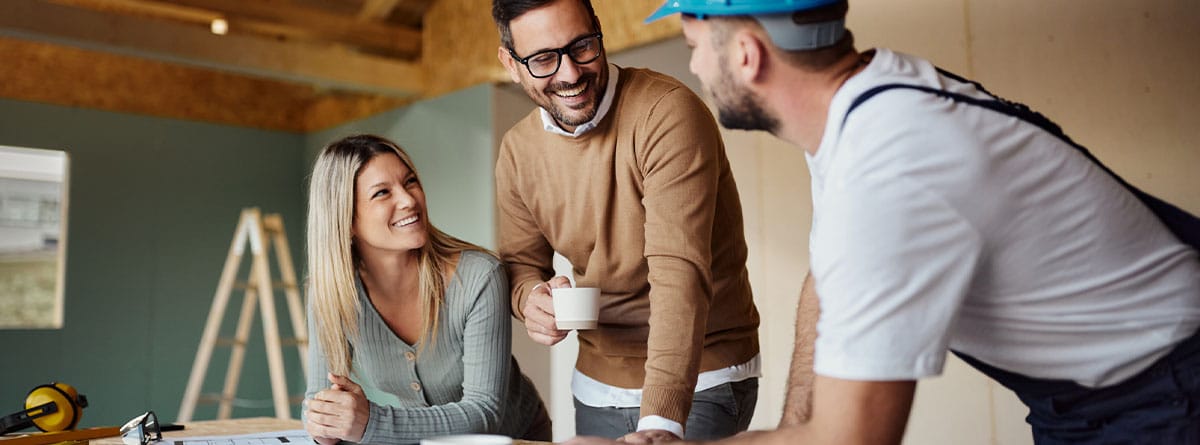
{"x": 576, "y": 307}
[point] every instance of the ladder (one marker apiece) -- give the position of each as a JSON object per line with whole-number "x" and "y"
{"x": 260, "y": 232}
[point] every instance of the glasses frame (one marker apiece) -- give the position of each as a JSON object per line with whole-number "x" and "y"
{"x": 142, "y": 430}
{"x": 560, "y": 52}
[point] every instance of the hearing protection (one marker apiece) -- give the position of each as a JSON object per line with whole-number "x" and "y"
{"x": 50, "y": 407}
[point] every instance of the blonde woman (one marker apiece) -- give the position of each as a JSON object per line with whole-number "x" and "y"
{"x": 401, "y": 307}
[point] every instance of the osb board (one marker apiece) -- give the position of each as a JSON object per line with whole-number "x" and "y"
{"x": 460, "y": 39}
{"x": 624, "y": 27}
{"x": 68, "y": 76}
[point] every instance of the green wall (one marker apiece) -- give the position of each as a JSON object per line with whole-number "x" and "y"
{"x": 152, "y": 207}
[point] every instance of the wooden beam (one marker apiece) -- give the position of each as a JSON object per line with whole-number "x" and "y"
{"x": 474, "y": 59}
{"x": 185, "y": 15}
{"x": 373, "y": 10}
{"x": 305, "y": 22}
{"x": 144, "y": 9}
{"x": 189, "y": 16}
{"x": 72, "y": 77}
{"x": 411, "y": 12}
{"x": 328, "y": 67}
{"x": 297, "y": 22}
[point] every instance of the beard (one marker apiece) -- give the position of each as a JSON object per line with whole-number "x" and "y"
{"x": 571, "y": 115}
{"x": 738, "y": 108}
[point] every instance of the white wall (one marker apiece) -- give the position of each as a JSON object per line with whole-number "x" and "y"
{"x": 1118, "y": 75}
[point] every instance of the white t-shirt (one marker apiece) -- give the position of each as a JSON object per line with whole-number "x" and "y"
{"x": 940, "y": 224}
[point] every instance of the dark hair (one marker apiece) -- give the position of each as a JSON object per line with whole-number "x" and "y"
{"x": 505, "y": 11}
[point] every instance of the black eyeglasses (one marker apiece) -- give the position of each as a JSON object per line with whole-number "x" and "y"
{"x": 544, "y": 64}
{"x": 142, "y": 430}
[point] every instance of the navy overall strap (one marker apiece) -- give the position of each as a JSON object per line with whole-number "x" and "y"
{"x": 1182, "y": 224}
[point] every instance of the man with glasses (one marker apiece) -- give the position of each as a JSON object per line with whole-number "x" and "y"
{"x": 623, "y": 172}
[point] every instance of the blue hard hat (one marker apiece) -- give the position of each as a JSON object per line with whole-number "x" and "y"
{"x": 701, "y": 8}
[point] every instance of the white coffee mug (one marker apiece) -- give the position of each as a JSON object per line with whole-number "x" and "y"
{"x": 576, "y": 307}
{"x": 468, "y": 439}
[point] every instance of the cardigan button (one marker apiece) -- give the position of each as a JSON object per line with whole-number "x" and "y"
{"x": 410, "y": 356}
{"x": 415, "y": 386}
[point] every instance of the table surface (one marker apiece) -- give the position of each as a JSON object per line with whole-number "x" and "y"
{"x": 242, "y": 426}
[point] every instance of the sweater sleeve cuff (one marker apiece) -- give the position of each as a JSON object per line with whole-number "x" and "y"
{"x": 519, "y": 297}
{"x": 376, "y": 413}
{"x": 668, "y": 402}
{"x": 660, "y": 423}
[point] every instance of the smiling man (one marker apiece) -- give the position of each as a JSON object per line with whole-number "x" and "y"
{"x": 623, "y": 172}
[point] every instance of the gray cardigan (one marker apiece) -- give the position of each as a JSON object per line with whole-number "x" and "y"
{"x": 466, "y": 382}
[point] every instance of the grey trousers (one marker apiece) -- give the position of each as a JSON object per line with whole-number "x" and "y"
{"x": 717, "y": 412}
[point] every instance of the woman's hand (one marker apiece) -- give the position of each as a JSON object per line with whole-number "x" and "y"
{"x": 338, "y": 413}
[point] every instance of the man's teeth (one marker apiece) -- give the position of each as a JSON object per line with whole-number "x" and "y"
{"x": 572, "y": 92}
{"x": 407, "y": 221}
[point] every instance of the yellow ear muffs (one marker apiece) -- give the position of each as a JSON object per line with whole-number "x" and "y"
{"x": 51, "y": 407}
{"x": 70, "y": 406}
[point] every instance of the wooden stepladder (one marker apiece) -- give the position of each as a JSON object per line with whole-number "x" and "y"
{"x": 260, "y": 232}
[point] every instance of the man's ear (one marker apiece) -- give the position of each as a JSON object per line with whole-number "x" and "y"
{"x": 509, "y": 64}
{"x": 749, "y": 58}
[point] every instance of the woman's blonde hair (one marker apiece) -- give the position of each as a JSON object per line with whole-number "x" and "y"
{"x": 333, "y": 261}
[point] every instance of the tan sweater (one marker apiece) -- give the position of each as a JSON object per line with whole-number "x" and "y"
{"x": 645, "y": 208}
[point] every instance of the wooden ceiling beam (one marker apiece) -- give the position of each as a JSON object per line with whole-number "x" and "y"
{"x": 182, "y": 14}
{"x": 294, "y": 21}
{"x": 375, "y": 10}
{"x": 401, "y": 41}
{"x": 412, "y": 12}
{"x": 145, "y": 9}
{"x": 398, "y": 12}
{"x": 330, "y": 67}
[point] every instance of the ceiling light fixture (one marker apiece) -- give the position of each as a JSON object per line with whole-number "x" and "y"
{"x": 219, "y": 26}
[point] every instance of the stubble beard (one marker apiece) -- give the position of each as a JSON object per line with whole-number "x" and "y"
{"x": 738, "y": 108}
{"x": 563, "y": 115}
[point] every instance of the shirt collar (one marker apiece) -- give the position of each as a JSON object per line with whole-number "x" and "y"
{"x": 551, "y": 126}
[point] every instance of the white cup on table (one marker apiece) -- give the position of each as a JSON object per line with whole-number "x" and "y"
{"x": 576, "y": 307}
